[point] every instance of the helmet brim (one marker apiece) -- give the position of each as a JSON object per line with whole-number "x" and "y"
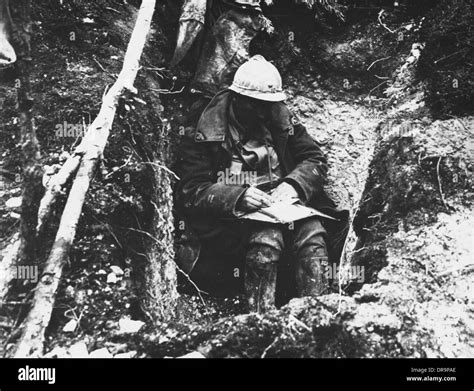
{"x": 265, "y": 96}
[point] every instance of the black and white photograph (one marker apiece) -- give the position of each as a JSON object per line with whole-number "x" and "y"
{"x": 247, "y": 179}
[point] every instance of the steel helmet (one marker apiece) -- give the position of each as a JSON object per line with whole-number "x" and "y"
{"x": 259, "y": 79}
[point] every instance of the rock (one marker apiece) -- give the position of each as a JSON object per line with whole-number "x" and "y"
{"x": 192, "y": 355}
{"x": 101, "y": 353}
{"x": 70, "y": 326}
{"x": 112, "y": 278}
{"x": 13, "y": 203}
{"x": 117, "y": 270}
{"x": 130, "y": 354}
{"x": 128, "y": 326}
{"x": 78, "y": 350}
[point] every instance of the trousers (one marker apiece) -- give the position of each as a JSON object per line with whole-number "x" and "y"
{"x": 220, "y": 268}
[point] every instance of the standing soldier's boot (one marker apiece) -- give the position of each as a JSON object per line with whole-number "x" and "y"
{"x": 260, "y": 278}
{"x": 311, "y": 278}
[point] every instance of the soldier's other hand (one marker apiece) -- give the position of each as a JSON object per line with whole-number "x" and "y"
{"x": 254, "y": 199}
{"x": 284, "y": 192}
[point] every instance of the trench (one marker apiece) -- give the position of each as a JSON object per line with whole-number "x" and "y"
{"x": 331, "y": 93}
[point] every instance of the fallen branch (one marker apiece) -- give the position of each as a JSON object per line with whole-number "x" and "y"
{"x": 30, "y": 343}
{"x": 7, "y": 262}
{"x": 439, "y": 183}
{"x": 54, "y": 188}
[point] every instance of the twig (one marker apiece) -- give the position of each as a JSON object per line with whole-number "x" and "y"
{"x": 99, "y": 64}
{"x": 163, "y": 168}
{"x": 167, "y": 92}
{"x": 119, "y": 168}
{"x": 112, "y": 9}
{"x": 199, "y": 291}
{"x": 108, "y": 228}
{"x": 382, "y": 23}
{"x": 300, "y": 323}
{"x": 380, "y": 85}
{"x": 449, "y": 55}
{"x": 376, "y": 61}
{"x": 439, "y": 183}
{"x": 269, "y": 347}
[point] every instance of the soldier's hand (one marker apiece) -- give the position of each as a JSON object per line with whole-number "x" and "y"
{"x": 284, "y": 192}
{"x": 254, "y": 199}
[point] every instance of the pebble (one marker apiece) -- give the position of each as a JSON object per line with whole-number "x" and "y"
{"x": 78, "y": 350}
{"x": 192, "y": 355}
{"x": 129, "y": 354}
{"x": 117, "y": 270}
{"x": 101, "y": 353}
{"x": 70, "y": 326}
{"x": 128, "y": 326}
{"x": 112, "y": 278}
{"x": 13, "y": 203}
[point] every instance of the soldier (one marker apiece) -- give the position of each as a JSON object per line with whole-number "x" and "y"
{"x": 221, "y": 31}
{"x": 248, "y": 128}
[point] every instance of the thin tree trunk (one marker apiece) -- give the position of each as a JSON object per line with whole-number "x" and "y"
{"x": 32, "y": 169}
{"x": 25, "y": 250}
{"x": 160, "y": 273}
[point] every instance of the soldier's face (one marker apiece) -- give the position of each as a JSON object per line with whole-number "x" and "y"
{"x": 253, "y": 109}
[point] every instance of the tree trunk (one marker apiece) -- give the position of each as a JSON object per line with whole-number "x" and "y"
{"x": 25, "y": 251}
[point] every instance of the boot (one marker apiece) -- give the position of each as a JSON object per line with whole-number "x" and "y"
{"x": 260, "y": 278}
{"x": 311, "y": 276}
